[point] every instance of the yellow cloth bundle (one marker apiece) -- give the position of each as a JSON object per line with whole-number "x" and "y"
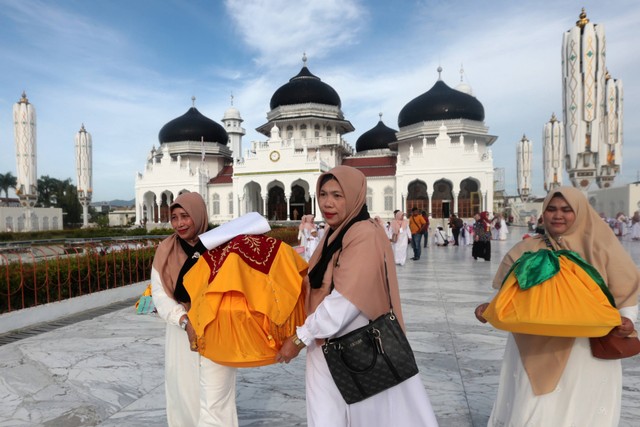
{"x": 246, "y": 298}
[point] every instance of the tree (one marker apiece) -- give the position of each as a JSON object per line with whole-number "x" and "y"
{"x": 60, "y": 194}
{"x": 7, "y": 181}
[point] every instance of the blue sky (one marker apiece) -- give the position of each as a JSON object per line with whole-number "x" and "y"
{"x": 125, "y": 68}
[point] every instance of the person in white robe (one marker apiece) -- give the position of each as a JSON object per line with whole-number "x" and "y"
{"x": 400, "y": 227}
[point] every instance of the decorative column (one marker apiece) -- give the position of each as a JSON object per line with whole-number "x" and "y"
{"x": 524, "y": 150}
{"x": 611, "y": 144}
{"x": 265, "y": 212}
{"x": 84, "y": 170}
{"x": 288, "y": 214}
{"x": 24, "y": 125}
{"x": 553, "y": 153}
{"x": 455, "y": 202}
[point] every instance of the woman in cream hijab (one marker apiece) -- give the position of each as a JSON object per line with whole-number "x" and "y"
{"x": 555, "y": 381}
{"x": 347, "y": 289}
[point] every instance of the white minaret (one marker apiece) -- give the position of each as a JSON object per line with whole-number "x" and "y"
{"x": 611, "y": 144}
{"x": 583, "y": 87}
{"x": 84, "y": 168}
{"x": 24, "y": 125}
{"x": 232, "y": 123}
{"x": 553, "y": 153}
{"x": 524, "y": 167}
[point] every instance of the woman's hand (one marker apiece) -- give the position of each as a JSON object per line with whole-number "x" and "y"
{"x": 479, "y": 310}
{"x": 623, "y": 330}
{"x": 288, "y": 351}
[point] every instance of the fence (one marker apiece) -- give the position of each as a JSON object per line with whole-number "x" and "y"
{"x": 34, "y": 273}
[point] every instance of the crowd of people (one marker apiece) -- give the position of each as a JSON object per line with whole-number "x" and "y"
{"x": 350, "y": 280}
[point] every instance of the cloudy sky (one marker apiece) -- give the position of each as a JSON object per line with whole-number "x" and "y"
{"x": 124, "y": 68}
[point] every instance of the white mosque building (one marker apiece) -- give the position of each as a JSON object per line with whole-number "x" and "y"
{"x": 439, "y": 160}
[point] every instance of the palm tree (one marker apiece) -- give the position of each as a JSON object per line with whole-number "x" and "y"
{"x": 7, "y": 181}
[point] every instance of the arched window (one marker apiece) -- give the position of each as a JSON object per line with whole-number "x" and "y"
{"x": 230, "y": 203}
{"x": 329, "y": 130}
{"x": 303, "y": 131}
{"x": 388, "y": 199}
{"x": 369, "y": 198}
{"x": 316, "y": 132}
{"x": 216, "y": 204}
{"x": 289, "y": 132}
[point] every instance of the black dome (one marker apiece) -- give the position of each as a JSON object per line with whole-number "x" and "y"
{"x": 441, "y": 103}
{"x": 193, "y": 126}
{"x": 304, "y": 88}
{"x": 378, "y": 137}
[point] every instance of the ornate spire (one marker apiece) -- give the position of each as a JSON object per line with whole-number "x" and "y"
{"x": 583, "y": 19}
{"x": 193, "y": 101}
{"x": 439, "y": 73}
{"x": 304, "y": 59}
{"x": 461, "y": 73}
{"x": 232, "y": 99}
{"x": 380, "y": 115}
{"x": 82, "y": 129}
{"x": 24, "y": 99}
{"x": 553, "y": 118}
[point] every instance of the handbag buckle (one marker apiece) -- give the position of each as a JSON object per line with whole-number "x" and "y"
{"x": 377, "y": 340}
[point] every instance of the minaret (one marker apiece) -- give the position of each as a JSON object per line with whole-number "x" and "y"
{"x": 611, "y": 144}
{"x": 232, "y": 123}
{"x": 84, "y": 169}
{"x": 24, "y": 125}
{"x": 553, "y": 153}
{"x": 583, "y": 87}
{"x": 524, "y": 168}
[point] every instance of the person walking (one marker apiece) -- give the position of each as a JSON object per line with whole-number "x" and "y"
{"x": 416, "y": 222}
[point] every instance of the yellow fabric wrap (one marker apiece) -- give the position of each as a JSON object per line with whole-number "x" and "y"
{"x": 242, "y": 315}
{"x": 569, "y": 304}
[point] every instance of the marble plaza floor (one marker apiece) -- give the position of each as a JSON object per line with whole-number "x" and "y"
{"x": 108, "y": 370}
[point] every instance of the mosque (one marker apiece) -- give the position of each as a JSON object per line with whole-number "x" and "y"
{"x": 439, "y": 160}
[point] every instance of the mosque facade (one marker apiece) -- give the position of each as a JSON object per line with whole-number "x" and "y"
{"x": 439, "y": 160}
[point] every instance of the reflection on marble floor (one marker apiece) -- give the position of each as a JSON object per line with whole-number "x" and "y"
{"x": 108, "y": 371}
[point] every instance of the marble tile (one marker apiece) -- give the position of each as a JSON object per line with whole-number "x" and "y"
{"x": 108, "y": 370}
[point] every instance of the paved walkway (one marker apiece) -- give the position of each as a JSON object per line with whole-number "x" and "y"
{"x": 107, "y": 369}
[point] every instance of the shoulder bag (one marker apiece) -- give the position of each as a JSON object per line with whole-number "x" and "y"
{"x": 372, "y": 358}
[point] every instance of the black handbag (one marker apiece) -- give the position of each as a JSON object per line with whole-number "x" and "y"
{"x": 370, "y": 359}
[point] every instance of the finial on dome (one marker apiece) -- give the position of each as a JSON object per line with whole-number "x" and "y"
{"x": 82, "y": 129}
{"x": 24, "y": 99}
{"x": 232, "y": 99}
{"x": 524, "y": 137}
{"x": 380, "y": 115}
{"x": 304, "y": 59}
{"x": 461, "y": 72}
{"x": 583, "y": 19}
{"x": 553, "y": 118}
{"x": 439, "y": 73}
{"x": 193, "y": 101}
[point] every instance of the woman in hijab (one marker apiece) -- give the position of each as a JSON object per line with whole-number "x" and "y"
{"x": 400, "y": 227}
{"x": 183, "y": 364}
{"x": 481, "y": 237}
{"x": 345, "y": 292}
{"x": 556, "y": 380}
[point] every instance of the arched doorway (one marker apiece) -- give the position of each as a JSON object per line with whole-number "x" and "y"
{"x": 300, "y": 203}
{"x": 276, "y": 204}
{"x": 442, "y": 203}
{"x": 468, "y": 198}
{"x": 417, "y": 197}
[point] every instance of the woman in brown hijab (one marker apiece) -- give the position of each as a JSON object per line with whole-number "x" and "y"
{"x": 555, "y": 381}
{"x": 183, "y": 364}
{"x": 347, "y": 289}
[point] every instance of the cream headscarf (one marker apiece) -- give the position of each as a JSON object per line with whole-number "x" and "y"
{"x": 170, "y": 256}
{"x": 399, "y": 222}
{"x": 544, "y": 358}
{"x": 358, "y": 269}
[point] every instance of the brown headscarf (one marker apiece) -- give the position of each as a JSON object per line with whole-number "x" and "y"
{"x": 358, "y": 269}
{"x": 170, "y": 256}
{"x": 544, "y": 358}
{"x": 399, "y": 222}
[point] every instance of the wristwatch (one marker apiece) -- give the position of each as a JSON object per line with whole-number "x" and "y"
{"x": 184, "y": 323}
{"x": 298, "y": 342}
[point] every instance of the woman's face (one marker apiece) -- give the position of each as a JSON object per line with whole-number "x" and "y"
{"x": 332, "y": 203}
{"x": 183, "y": 224}
{"x": 558, "y": 217}
{"x": 476, "y": 217}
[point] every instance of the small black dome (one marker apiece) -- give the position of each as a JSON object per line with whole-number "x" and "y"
{"x": 304, "y": 88}
{"x": 441, "y": 103}
{"x": 193, "y": 126}
{"x": 376, "y": 138}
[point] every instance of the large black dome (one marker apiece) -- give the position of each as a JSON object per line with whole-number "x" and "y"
{"x": 441, "y": 103}
{"x": 376, "y": 138}
{"x": 193, "y": 126}
{"x": 304, "y": 88}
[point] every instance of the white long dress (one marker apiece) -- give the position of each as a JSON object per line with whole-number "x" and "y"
{"x": 400, "y": 247}
{"x": 588, "y": 393}
{"x": 311, "y": 243}
{"x": 198, "y": 391}
{"x": 406, "y": 404}
{"x": 504, "y": 230}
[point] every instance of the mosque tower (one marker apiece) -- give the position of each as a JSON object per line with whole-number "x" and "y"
{"x": 232, "y": 123}
{"x": 553, "y": 153}
{"x": 584, "y": 84}
{"x": 84, "y": 162}
{"x": 524, "y": 167}
{"x": 611, "y": 144}
{"x": 24, "y": 122}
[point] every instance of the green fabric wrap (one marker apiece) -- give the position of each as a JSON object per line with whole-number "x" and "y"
{"x": 533, "y": 268}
